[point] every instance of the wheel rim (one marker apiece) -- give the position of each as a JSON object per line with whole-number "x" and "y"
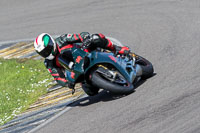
{"x": 115, "y": 77}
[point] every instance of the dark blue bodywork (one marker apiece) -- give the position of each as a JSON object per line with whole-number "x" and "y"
{"x": 124, "y": 65}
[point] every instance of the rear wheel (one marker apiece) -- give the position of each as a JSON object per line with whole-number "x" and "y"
{"x": 108, "y": 78}
{"x": 89, "y": 89}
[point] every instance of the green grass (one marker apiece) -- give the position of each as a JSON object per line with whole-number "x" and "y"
{"x": 21, "y": 83}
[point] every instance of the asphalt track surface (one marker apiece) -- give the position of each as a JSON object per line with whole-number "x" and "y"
{"x": 166, "y": 32}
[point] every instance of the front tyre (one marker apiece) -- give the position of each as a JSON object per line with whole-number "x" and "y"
{"x": 105, "y": 81}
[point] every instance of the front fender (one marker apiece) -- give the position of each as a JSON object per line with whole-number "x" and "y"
{"x": 108, "y": 58}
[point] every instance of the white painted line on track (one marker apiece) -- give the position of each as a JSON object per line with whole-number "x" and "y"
{"x": 54, "y": 117}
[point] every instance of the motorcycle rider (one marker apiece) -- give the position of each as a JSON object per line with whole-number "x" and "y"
{"x": 52, "y": 49}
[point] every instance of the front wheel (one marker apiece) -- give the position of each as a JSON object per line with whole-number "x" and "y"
{"x": 108, "y": 78}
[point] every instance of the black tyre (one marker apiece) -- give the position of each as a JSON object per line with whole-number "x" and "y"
{"x": 89, "y": 89}
{"x": 147, "y": 67}
{"x": 116, "y": 86}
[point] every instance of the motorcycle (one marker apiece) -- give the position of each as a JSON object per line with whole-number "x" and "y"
{"x": 106, "y": 70}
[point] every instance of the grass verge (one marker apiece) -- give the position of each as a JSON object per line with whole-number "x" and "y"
{"x": 21, "y": 83}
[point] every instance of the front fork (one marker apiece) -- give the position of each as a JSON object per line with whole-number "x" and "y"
{"x": 138, "y": 70}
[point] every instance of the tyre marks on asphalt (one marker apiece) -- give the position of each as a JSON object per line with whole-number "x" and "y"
{"x": 47, "y": 105}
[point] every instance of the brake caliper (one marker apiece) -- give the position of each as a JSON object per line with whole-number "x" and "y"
{"x": 104, "y": 71}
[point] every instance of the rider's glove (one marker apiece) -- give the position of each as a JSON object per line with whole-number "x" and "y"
{"x": 87, "y": 41}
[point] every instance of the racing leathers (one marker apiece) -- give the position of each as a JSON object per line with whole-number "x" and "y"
{"x": 64, "y": 45}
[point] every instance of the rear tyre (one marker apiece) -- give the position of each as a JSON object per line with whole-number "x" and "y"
{"x": 89, "y": 89}
{"x": 147, "y": 67}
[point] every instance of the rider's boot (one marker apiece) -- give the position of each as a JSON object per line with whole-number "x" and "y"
{"x": 122, "y": 50}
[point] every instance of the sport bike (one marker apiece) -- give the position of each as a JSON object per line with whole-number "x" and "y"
{"x": 101, "y": 69}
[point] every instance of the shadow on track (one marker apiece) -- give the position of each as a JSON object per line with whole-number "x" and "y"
{"x": 103, "y": 96}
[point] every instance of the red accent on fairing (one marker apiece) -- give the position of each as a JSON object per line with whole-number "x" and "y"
{"x": 61, "y": 79}
{"x": 123, "y": 49}
{"x": 75, "y": 37}
{"x": 86, "y": 50}
{"x": 80, "y": 37}
{"x": 78, "y": 59}
{"x": 101, "y": 35}
{"x": 72, "y": 75}
{"x": 50, "y": 70}
{"x": 36, "y": 40}
{"x": 57, "y": 62}
{"x": 112, "y": 58}
{"x": 110, "y": 45}
{"x": 55, "y": 74}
